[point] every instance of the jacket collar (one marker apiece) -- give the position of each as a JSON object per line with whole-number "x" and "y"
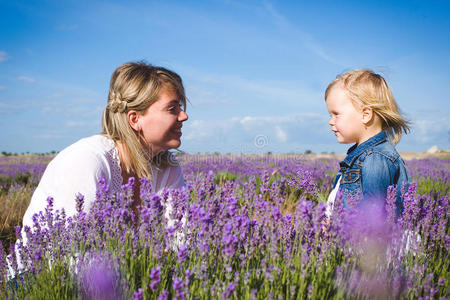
{"x": 355, "y": 150}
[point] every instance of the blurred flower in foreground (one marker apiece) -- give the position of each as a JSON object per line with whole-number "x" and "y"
{"x": 98, "y": 278}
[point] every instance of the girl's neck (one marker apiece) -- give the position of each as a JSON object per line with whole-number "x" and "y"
{"x": 370, "y": 129}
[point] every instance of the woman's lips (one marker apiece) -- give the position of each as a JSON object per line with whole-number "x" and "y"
{"x": 177, "y": 132}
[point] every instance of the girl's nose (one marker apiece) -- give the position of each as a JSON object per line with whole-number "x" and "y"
{"x": 331, "y": 122}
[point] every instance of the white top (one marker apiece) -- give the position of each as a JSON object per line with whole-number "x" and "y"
{"x": 332, "y": 198}
{"x": 78, "y": 168}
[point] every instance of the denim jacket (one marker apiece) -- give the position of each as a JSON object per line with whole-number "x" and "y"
{"x": 369, "y": 169}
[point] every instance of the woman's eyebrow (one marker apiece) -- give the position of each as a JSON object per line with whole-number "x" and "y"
{"x": 174, "y": 101}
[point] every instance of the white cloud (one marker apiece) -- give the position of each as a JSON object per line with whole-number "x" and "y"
{"x": 89, "y": 123}
{"x": 26, "y": 79}
{"x": 202, "y": 96}
{"x": 236, "y": 89}
{"x": 50, "y": 136}
{"x": 281, "y": 135}
{"x": 427, "y": 131}
{"x": 294, "y": 133}
{"x": 3, "y": 56}
{"x": 9, "y": 107}
{"x": 75, "y": 123}
{"x": 66, "y": 27}
{"x": 307, "y": 40}
{"x": 253, "y": 134}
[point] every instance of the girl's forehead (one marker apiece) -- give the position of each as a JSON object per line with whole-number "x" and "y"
{"x": 338, "y": 93}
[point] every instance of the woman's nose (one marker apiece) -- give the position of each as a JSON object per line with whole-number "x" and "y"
{"x": 182, "y": 116}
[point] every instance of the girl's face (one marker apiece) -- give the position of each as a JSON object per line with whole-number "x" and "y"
{"x": 346, "y": 121}
{"x": 162, "y": 121}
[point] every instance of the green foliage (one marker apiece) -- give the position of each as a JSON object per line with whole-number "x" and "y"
{"x": 23, "y": 178}
{"x": 221, "y": 177}
{"x": 429, "y": 185}
{"x": 5, "y": 182}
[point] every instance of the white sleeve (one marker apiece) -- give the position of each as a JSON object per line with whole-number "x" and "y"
{"x": 171, "y": 178}
{"x": 175, "y": 179}
{"x": 69, "y": 173}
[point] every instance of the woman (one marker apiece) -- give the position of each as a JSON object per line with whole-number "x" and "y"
{"x": 141, "y": 122}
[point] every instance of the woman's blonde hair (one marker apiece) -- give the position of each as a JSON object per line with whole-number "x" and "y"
{"x": 136, "y": 86}
{"x": 368, "y": 89}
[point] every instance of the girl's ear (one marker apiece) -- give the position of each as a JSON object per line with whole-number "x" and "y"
{"x": 367, "y": 114}
{"x": 133, "y": 118}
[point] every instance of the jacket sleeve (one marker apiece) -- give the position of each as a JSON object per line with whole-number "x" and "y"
{"x": 377, "y": 175}
{"x": 76, "y": 171}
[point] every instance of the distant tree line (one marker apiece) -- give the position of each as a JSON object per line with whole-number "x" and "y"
{"x": 4, "y": 153}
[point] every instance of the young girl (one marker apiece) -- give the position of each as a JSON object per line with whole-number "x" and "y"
{"x": 364, "y": 112}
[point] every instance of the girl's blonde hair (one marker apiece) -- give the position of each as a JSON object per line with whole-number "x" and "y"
{"x": 136, "y": 86}
{"x": 368, "y": 89}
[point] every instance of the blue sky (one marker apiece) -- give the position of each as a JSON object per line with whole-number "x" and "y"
{"x": 255, "y": 71}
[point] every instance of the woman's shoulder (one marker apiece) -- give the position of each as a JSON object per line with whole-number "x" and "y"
{"x": 94, "y": 150}
{"x": 96, "y": 144}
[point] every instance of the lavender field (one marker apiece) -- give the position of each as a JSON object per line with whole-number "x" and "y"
{"x": 246, "y": 227}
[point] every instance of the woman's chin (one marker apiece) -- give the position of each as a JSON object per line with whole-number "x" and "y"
{"x": 173, "y": 144}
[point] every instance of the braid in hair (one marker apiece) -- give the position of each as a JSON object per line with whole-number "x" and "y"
{"x": 117, "y": 104}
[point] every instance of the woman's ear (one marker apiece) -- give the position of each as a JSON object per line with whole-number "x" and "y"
{"x": 133, "y": 118}
{"x": 367, "y": 114}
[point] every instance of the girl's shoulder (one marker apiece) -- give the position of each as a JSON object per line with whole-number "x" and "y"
{"x": 386, "y": 150}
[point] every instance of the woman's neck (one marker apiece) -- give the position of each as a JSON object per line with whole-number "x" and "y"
{"x": 126, "y": 174}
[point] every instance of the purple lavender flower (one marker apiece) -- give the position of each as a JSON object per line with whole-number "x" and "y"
{"x": 154, "y": 278}
{"x": 228, "y": 290}
{"x": 164, "y": 295}
{"x": 138, "y": 295}
{"x": 182, "y": 253}
{"x": 178, "y": 286}
{"x": 79, "y": 199}
{"x": 98, "y": 278}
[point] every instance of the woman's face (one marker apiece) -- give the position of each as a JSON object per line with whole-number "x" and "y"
{"x": 161, "y": 123}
